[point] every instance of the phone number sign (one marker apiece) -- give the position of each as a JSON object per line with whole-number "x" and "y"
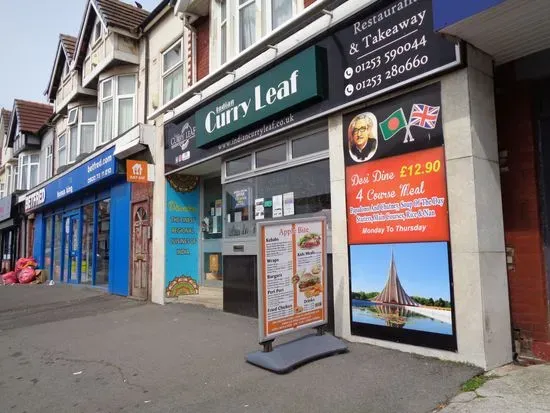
{"x": 398, "y": 199}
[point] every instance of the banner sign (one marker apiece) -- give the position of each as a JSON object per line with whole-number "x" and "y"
{"x": 182, "y": 241}
{"x": 398, "y": 221}
{"x": 296, "y": 80}
{"x": 292, "y": 276}
{"x": 374, "y": 52}
{"x": 95, "y": 170}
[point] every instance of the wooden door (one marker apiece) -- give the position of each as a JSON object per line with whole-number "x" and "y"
{"x": 141, "y": 257}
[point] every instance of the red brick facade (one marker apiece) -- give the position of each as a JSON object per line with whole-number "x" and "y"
{"x": 203, "y": 37}
{"x": 522, "y": 215}
{"x": 308, "y": 3}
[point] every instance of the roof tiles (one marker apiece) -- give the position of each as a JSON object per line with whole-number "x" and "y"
{"x": 31, "y": 116}
{"x": 122, "y": 15}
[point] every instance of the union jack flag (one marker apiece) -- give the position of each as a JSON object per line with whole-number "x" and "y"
{"x": 424, "y": 116}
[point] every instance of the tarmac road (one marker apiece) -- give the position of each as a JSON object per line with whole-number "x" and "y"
{"x": 70, "y": 349}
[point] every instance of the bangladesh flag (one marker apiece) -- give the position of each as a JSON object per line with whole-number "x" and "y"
{"x": 393, "y": 124}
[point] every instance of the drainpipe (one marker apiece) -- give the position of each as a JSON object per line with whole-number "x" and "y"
{"x": 146, "y": 81}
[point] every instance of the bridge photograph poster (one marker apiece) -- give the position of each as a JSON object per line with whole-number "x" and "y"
{"x": 398, "y": 222}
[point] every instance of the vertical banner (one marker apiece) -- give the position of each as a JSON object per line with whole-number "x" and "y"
{"x": 182, "y": 238}
{"x": 398, "y": 222}
{"x": 292, "y": 276}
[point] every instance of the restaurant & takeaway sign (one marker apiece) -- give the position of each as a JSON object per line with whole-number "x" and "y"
{"x": 398, "y": 221}
{"x": 292, "y": 276}
{"x": 382, "y": 48}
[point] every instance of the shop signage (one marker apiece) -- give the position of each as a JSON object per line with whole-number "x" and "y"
{"x": 136, "y": 171}
{"x": 296, "y": 80}
{"x": 5, "y": 208}
{"x": 398, "y": 225}
{"x": 374, "y": 52}
{"x": 292, "y": 290}
{"x": 94, "y": 171}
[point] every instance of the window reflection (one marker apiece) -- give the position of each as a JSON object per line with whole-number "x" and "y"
{"x": 102, "y": 253}
{"x": 87, "y": 243}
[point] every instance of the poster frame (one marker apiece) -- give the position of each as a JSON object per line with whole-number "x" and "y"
{"x": 262, "y": 337}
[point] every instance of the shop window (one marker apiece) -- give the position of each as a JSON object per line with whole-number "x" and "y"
{"x": 172, "y": 71}
{"x": 295, "y": 191}
{"x": 87, "y": 244}
{"x": 48, "y": 246}
{"x": 307, "y": 145}
{"x": 270, "y": 156}
{"x": 238, "y": 166}
{"x": 57, "y": 235}
{"x": 212, "y": 208}
{"x": 117, "y": 106}
{"x": 102, "y": 251}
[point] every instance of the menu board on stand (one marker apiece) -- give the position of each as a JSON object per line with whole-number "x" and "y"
{"x": 292, "y": 292}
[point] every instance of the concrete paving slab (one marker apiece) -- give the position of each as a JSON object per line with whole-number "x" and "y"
{"x": 188, "y": 358}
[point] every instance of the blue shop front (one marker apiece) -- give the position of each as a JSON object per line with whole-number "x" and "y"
{"x": 82, "y": 225}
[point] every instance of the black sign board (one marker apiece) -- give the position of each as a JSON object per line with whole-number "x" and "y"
{"x": 377, "y": 50}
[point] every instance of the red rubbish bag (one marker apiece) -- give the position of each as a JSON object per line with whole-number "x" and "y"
{"x": 26, "y": 275}
{"x": 9, "y": 278}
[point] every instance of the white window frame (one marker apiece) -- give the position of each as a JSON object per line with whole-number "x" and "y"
{"x": 2, "y": 190}
{"x": 224, "y": 22}
{"x": 9, "y": 179}
{"x": 180, "y": 65}
{"x": 96, "y": 37}
{"x": 70, "y": 125}
{"x": 64, "y": 147}
{"x": 79, "y": 123}
{"x": 82, "y": 123}
{"x": 116, "y": 98}
{"x": 268, "y": 17}
{"x": 49, "y": 161}
{"x": 28, "y": 156}
{"x": 237, "y": 34}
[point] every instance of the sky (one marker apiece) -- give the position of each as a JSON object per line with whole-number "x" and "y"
{"x": 423, "y": 268}
{"x": 29, "y": 34}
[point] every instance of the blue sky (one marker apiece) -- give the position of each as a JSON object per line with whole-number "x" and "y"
{"x": 423, "y": 268}
{"x": 29, "y": 32}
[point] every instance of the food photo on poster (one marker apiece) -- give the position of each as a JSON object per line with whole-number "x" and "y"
{"x": 404, "y": 289}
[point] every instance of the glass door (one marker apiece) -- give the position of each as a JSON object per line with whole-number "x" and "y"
{"x": 71, "y": 248}
{"x": 212, "y": 229}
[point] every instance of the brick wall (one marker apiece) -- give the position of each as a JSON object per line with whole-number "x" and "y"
{"x": 521, "y": 207}
{"x": 308, "y": 3}
{"x": 203, "y": 38}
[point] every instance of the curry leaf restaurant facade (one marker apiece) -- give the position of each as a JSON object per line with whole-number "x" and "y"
{"x": 365, "y": 115}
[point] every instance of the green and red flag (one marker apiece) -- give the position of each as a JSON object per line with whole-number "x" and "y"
{"x": 393, "y": 124}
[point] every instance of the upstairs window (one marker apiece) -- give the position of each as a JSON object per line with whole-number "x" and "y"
{"x": 2, "y": 190}
{"x": 117, "y": 106}
{"x": 96, "y": 32}
{"x": 172, "y": 72}
{"x": 49, "y": 162}
{"x": 29, "y": 166}
{"x": 239, "y": 24}
{"x": 62, "y": 150}
{"x": 82, "y": 123}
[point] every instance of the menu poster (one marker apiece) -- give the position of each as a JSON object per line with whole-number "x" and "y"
{"x": 292, "y": 274}
{"x": 259, "y": 211}
{"x": 288, "y": 203}
{"x": 277, "y": 206}
{"x": 241, "y": 198}
{"x": 398, "y": 221}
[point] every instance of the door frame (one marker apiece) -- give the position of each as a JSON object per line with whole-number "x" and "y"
{"x": 202, "y": 250}
{"x": 72, "y": 215}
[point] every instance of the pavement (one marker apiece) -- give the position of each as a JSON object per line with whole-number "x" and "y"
{"x": 70, "y": 349}
{"x": 509, "y": 389}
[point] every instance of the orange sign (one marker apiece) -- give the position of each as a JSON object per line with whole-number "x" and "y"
{"x": 293, "y": 293}
{"x": 136, "y": 171}
{"x": 398, "y": 199}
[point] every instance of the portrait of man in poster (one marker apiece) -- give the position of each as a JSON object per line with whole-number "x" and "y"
{"x": 362, "y": 137}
